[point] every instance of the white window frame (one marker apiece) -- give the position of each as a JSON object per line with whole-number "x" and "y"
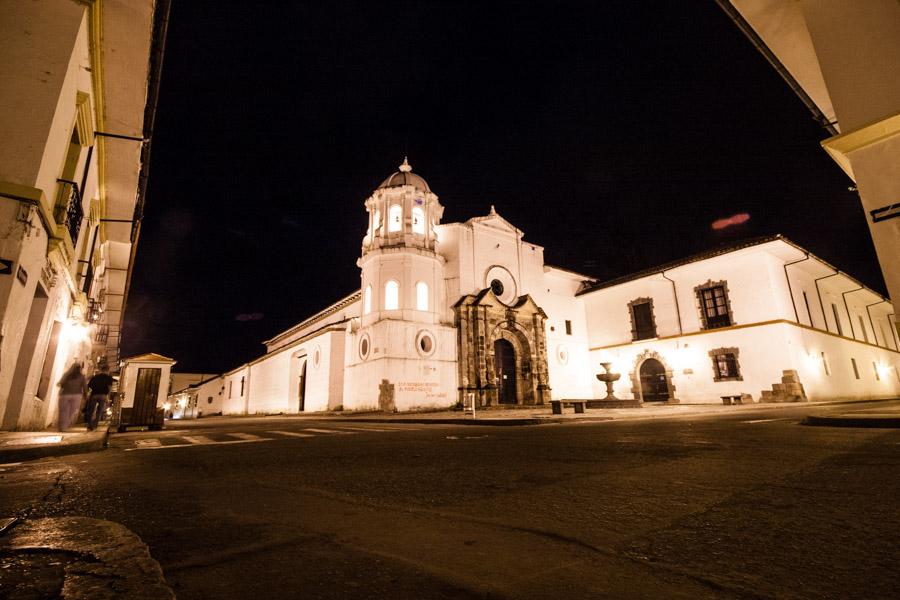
{"x": 392, "y": 295}
{"x": 421, "y": 296}
{"x": 395, "y": 218}
{"x": 418, "y": 220}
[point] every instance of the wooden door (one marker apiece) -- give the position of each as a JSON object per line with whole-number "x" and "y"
{"x": 654, "y": 387}
{"x": 146, "y": 390}
{"x": 301, "y": 391}
{"x": 505, "y": 366}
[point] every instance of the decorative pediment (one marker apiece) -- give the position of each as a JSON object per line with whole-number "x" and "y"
{"x": 494, "y": 221}
{"x": 527, "y": 304}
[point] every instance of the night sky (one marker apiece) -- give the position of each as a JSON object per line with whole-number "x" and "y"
{"x": 613, "y": 135}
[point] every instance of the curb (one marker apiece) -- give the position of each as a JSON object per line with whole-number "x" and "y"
{"x": 97, "y": 441}
{"x": 848, "y": 421}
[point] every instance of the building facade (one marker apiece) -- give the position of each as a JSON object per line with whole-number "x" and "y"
{"x": 79, "y": 84}
{"x": 448, "y": 313}
{"x": 840, "y": 58}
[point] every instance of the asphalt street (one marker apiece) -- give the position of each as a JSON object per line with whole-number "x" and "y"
{"x": 742, "y": 505}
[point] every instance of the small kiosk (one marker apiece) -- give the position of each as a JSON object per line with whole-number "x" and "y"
{"x": 143, "y": 387}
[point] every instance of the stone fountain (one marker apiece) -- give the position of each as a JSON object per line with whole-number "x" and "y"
{"x": 608, "y": 378}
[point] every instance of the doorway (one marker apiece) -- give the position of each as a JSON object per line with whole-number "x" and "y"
{"x": 27, "y": 352}
{"x": 654, "y": 387}
{"x": 505, "y": 367}
{"x": 146, "y": 392}
{"x": 301, "y": 386}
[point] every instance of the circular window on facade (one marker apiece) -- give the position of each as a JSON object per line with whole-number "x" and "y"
{"x": 317, "y": 357}
{"x": 364, "y": 347}
{"x": 425, "y": 343}
{"x": 562, "y": 354}
{"x": 502, "y": 284}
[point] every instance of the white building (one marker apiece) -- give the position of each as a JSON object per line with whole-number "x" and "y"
{"x": 445, "y": 311}
{"x": 78, "y": 87}
{"x": 202, "y": 397}
{"x": 840, "y": 58}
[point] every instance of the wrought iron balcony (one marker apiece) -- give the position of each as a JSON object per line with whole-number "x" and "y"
{"x": 68, "y": 208}
{"x": 95, "y": 311}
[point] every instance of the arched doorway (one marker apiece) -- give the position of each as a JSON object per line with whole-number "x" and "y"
{"x": 654, "y": 387}
{"x": 505, "y": 369}
{"x": 301, "y": 385}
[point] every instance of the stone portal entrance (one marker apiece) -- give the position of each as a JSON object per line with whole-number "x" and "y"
{"x": 654, "y": 387}
{"x": 502, "y": 350}
{"x": 651, "y": 379}
{"x": 505, "y": 368}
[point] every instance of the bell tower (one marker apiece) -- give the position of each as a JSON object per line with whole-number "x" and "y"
{"x": 402, "y": 352}
{"x": 402, "y": 272}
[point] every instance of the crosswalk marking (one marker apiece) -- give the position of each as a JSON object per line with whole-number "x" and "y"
{"x": 149, "y": 442}
{"x": 197, "y": 439}
{"x": 314, "y": 430}
{"x": 293, "y": 433}
{"x": 244, "y": 436}
{"x": 764, "y": 420}
{"x": 358, "y": 429}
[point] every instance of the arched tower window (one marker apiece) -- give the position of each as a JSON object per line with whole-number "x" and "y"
{"x": 418, "y": 220}
{"x": 421, "y": 296}
{"x": 367, "y": 300}
{"x": 395, "y": 218}
{"x": 391, "y": 295}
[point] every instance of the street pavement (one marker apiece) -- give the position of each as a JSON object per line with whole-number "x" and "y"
{"x": 664, "y": 504}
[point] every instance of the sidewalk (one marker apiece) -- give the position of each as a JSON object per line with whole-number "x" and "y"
{"x": 18, "y": 446}
{"x": 887, "y": 417}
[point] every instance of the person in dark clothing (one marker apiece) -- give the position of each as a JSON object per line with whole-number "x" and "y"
{"x": 71, "y": 391}
{"x": 96, "y": 403}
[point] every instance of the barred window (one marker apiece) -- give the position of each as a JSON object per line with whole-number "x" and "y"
{"x": 714, "y": 305}
{"x": 725, "y": 364}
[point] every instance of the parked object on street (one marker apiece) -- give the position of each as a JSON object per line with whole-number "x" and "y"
{"x": 142, "y": 392}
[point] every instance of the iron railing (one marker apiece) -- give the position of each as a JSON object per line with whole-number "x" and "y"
{"x": 68, "y": 208}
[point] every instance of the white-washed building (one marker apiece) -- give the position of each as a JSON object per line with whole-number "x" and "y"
{"x": 202, "y": 398}
{"x": 451, "y": 311}
{"x": 78, "y": 88}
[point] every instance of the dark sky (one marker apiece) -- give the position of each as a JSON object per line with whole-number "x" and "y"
{"x": 613, "y": 135}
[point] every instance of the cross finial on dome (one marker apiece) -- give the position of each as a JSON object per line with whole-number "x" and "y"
{"x": 405, "y": 167}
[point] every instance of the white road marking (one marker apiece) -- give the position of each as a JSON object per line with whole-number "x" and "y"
{"x": 194, "y": 445}
{"x": 764, "y": 420}
{"x": 198, "y": 439}
{"x": 329, "y": 431}
{"x": 244, "y": 436}
{"x": 292, "y": 433}
{"x": 148, "y": 442}
{"x": 358, "y": 429}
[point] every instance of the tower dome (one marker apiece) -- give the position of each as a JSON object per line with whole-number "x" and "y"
{"x": 405, "y": 176}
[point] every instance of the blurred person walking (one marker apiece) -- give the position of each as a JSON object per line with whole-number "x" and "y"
{"x": 71, "y": 391}
{"x": 99, "y": 386}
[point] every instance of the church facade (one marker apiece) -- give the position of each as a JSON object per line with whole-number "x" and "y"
{"x": 450, "y": 313}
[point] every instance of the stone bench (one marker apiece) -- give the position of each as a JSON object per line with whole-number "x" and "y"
{"x": 735, "y": 399}
{"x": 557, "y": 405}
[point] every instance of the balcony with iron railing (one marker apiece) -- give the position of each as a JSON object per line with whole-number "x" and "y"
{"x": 68, "y": 209}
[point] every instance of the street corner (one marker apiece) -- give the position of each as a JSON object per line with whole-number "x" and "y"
{"x": 78, "y": 557}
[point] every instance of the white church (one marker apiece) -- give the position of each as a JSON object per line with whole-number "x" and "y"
{"x": 450, "y": 312}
